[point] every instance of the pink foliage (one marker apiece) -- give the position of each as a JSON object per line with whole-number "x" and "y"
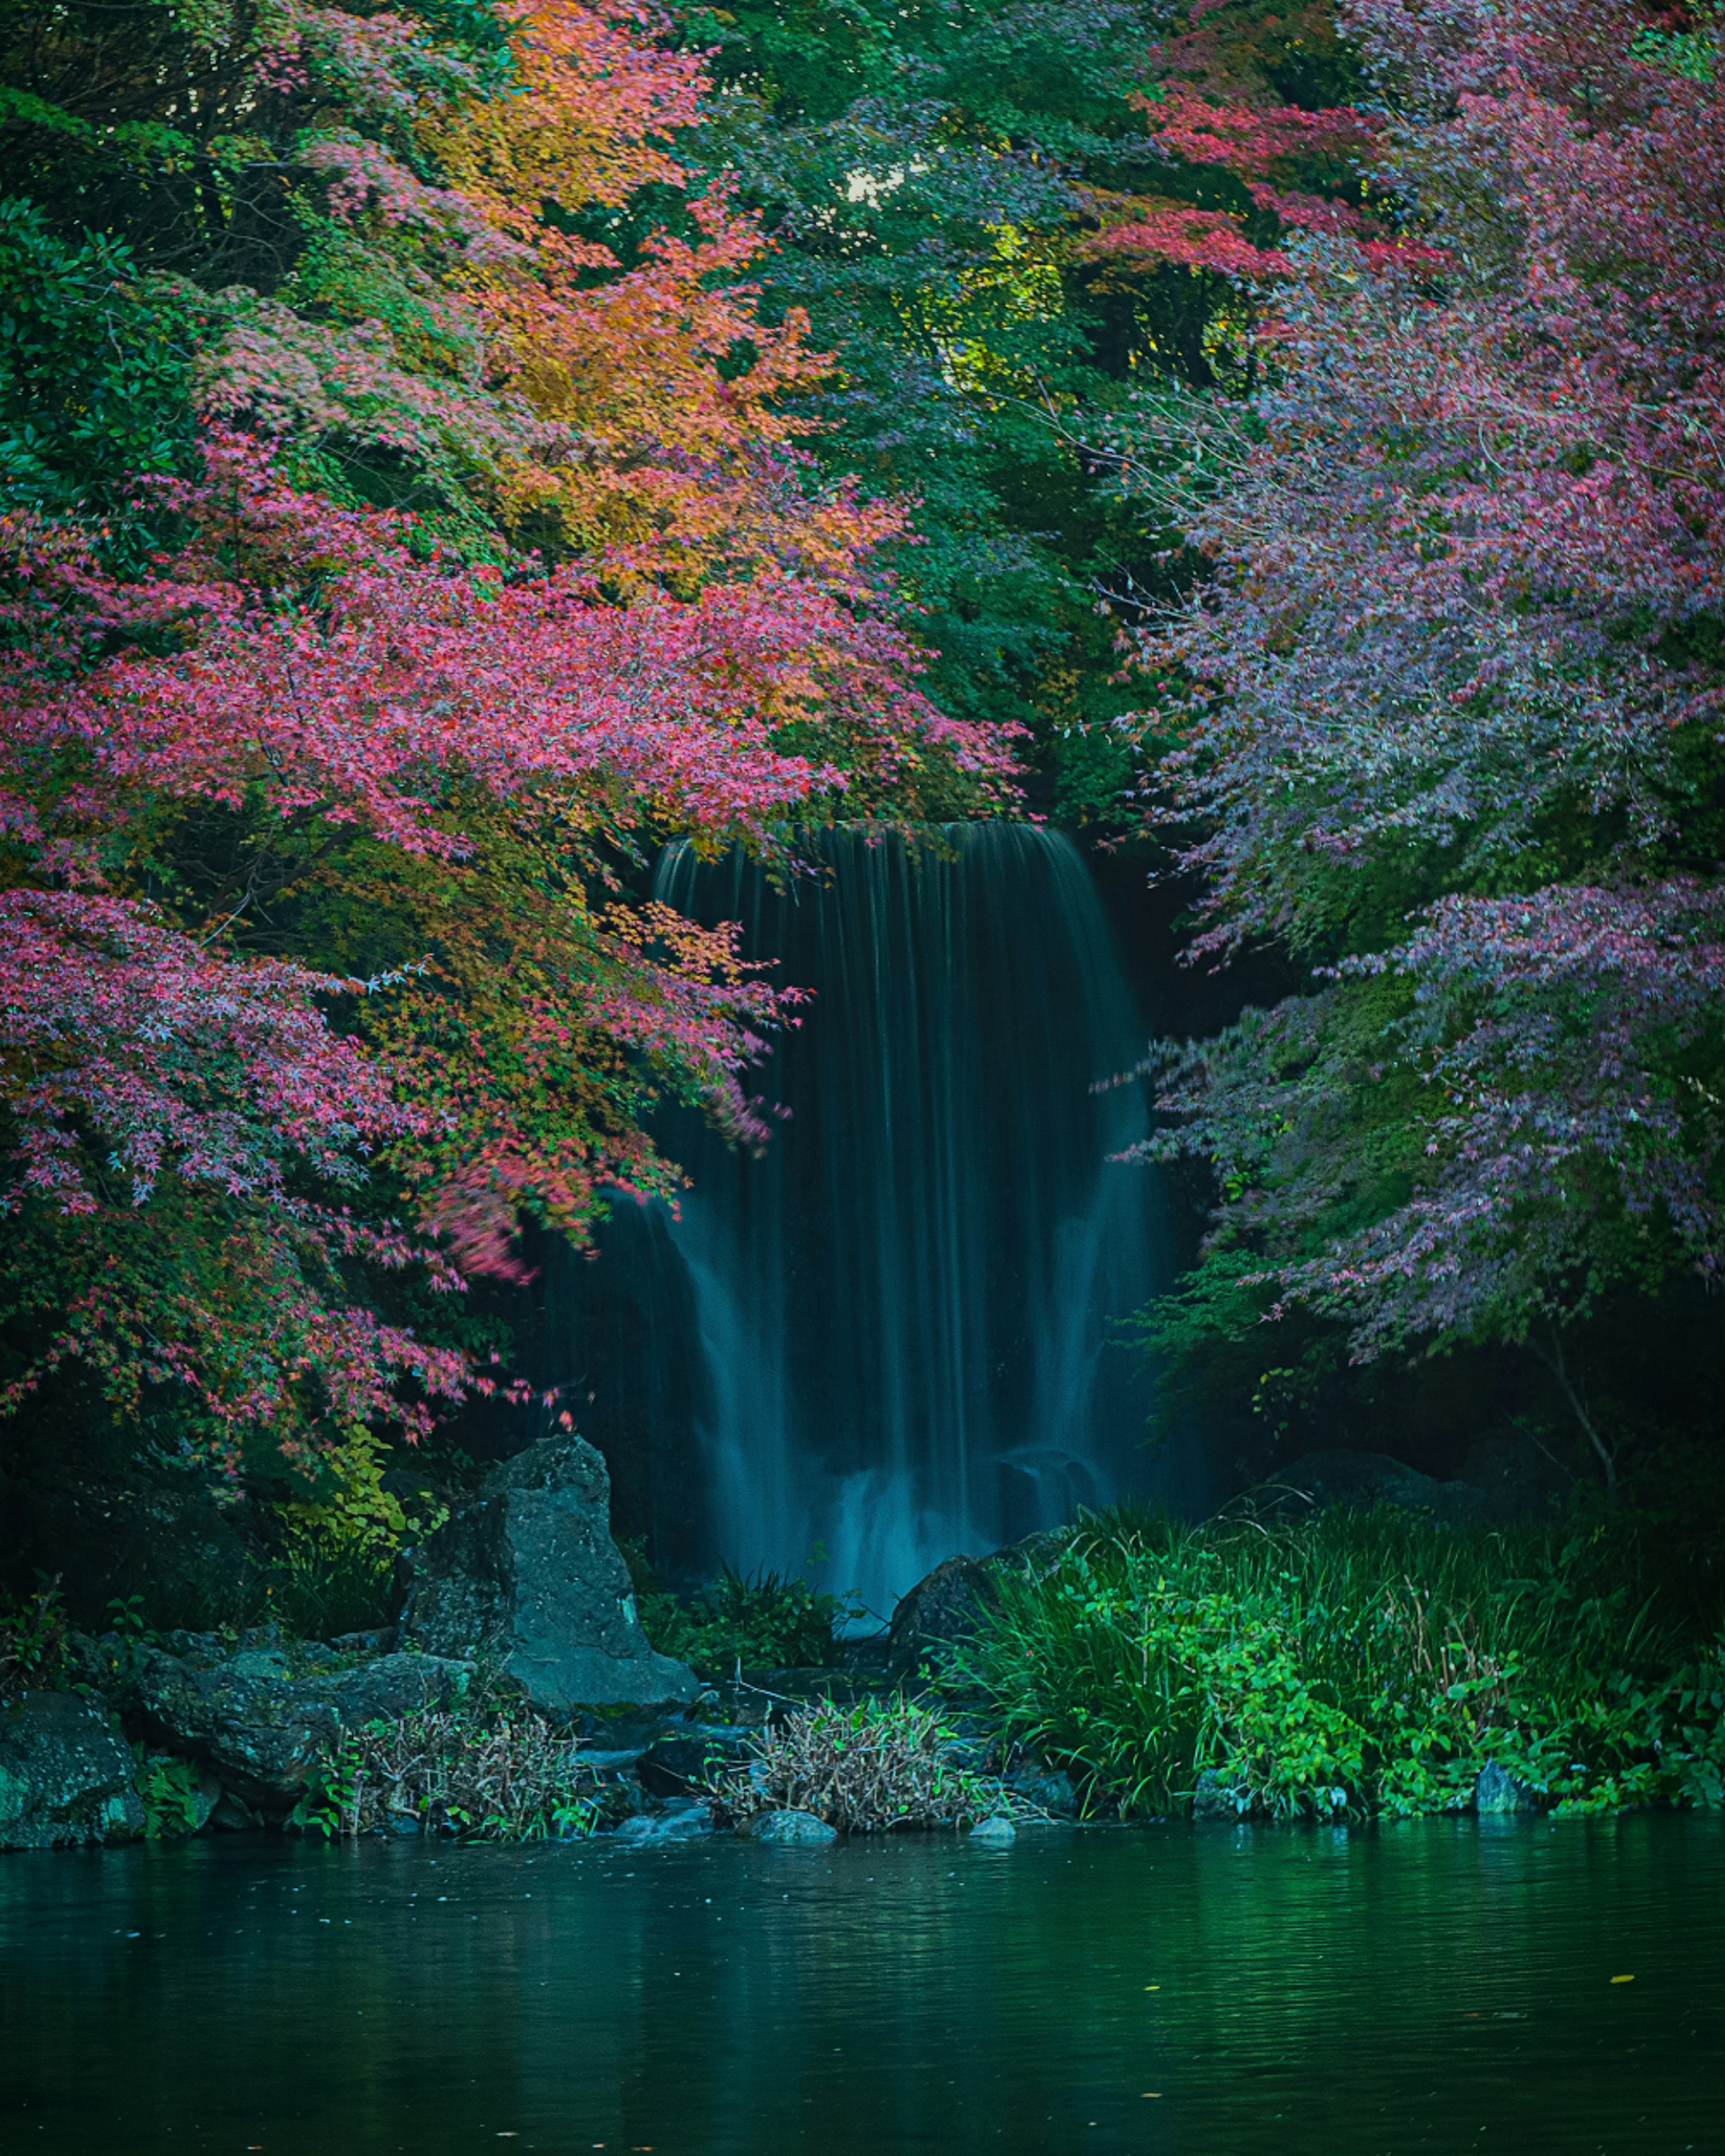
{"x": 300, "y": 657}
{"x": 1463, "y": 552}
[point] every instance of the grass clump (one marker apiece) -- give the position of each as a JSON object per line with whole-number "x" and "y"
{"x": 1353, "y": 1665}
{"x": 764, "y": 1622}
{"x": 868, "y": 1766}
{"x": 501, "y": 1774}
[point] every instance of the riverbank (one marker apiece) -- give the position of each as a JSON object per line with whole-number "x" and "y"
{"x": 1343, "y": 1668}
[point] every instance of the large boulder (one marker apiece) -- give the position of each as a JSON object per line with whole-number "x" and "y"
{"x": 259, "y": 1724}
{"x": 943, "y": 1610}
{"x": 1361, "y": 1481}
{"x": 65, "y": 1774}
{"x": 526, "y": 1571}
{"x": 946, "y": 1606}
{"x": 1506, "y": 1479}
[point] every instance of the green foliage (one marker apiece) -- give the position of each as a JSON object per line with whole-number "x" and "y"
{"x": 170, "y": 1791}
{"x": 487, "y": 1772}
{"x": 762, "y": 1623}
{"x": 1694, "y": 52}
{"x": 334, "y": 1571}
{"x": 94, "y": 368}
{"x": 866, "y": 1766}
{"x": 923, "y": 169}
{"x": 33, "y": 1641}
{"x": 1354, "y": 1667}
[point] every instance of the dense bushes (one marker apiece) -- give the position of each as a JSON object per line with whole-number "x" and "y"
{"x": 760, "y": 1623}
{"x": 1355, "y": 1666}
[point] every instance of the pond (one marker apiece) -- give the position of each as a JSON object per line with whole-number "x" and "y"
{"x": 1445, "y": 1985}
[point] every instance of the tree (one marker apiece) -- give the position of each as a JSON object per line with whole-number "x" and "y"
{"x": 354, "y": 645}
{"x": 1453, "y": 693}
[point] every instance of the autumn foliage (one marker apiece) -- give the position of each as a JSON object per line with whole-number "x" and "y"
{"x": 1449, "y": 689}
{"x": 479, "y": 563}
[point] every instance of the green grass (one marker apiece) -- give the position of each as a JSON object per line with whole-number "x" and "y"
{"x": 760, "y": 1623}
{"x": 1354, "y": 1665}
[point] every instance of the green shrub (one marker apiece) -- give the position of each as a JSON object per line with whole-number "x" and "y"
{"x": 1352, "y": 1665}
{"x": 334, "y": 1569}
{"x": 33, "y": 1642}
{"x": 763, "y": 1623}
{"x": 170, "y": 1791}
{"x": 501, "y": 1774}
{"x": 869, "y": 1766}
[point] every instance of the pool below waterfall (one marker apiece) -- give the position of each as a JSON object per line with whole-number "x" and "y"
{"x": 1444, "y": 1985}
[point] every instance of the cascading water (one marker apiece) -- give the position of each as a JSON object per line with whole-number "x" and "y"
{"x": 892, "y": 1324}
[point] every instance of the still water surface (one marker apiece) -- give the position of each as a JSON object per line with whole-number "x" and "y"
{"x": 1443, "y": 1986}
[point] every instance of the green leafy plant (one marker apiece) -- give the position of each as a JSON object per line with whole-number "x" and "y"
{"x": 1351, "y": 1666}
{"x": 764, "y": 1622}
{"x": 868, "y": 1766}
{"x": 33, "y": 1641}
{"x": 172, "y": 1794}
{"x": 336, "y": 1569}
{"x": 498, "y": 1775}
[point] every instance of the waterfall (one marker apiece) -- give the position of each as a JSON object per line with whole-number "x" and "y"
{"x": 897, "y": 1314}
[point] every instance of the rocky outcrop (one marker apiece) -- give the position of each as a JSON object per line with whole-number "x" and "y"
{"x": 1216, "y": 1798}
{"x": 694, "y": 1756}
{"x": 1044, "y": 1788}
{"x": 786, "y": 1827}
{"x": 944, "y": 1608}
{"x": 1506, "y": 1481}
{"x": 65, "y": 1775}
{"x": 1495, "y": 1791}
{"x": 1360, "y": 1482}
{"x": 526, "y": 1571}
{"x": 682, "y": 1819}
{"x": 257, "y": 1720}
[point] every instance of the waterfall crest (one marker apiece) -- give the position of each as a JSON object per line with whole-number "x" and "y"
{"x": 898, "y": 1310}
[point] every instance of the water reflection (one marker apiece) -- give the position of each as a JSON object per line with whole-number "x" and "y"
{"x": 1442, "y": 1986}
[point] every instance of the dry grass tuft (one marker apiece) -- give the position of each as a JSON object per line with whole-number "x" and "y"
{"x": 865, "y": 1768}
{"x": 507, "y": 1776}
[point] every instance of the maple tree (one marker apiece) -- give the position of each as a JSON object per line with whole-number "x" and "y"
{"x": 1450, "y": 696}
{"x": 353, "y": 646}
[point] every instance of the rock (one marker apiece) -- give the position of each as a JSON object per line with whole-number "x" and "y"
{"x": 1520, "y": 1478}
{"x": 941, "y": 1610}
{"x": 786, "y": 1827}
{"x": 202, "y": 1647}
{"x": 1498, "y": 1790}
{"x": 999, "y": 1830}
{"x": 1360, "y": 1482}
{"x": 230, "y": 1816}
{"x": 687, "y": 1821}
{"x": 526, "y": 1570}
{"x": 1215, "y": 1798}
{"x": 1035, "y": 1554}
{"x": 173, "y": 1534}
{"x": 866, "y": 1654}
{"x": 1047, "y": 1788}
{"x": 369, "y": 1644}
{"x": 259, "y": 1726}
{"x": 65, "y": 1775}
{"x": 970, "y": 1755}
{"x": 694, "y": 1756}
